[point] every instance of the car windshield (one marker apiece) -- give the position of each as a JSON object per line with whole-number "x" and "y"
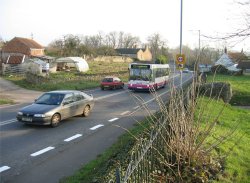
{"x": 50, "y": 99}
{"x": 107, "y": 80}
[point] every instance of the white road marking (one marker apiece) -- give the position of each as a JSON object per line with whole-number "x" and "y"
{"x": 4, "y": 168}
{"x": 111, "y": 95}
{"x": 114, "y": 119}
{"x": 126, "y": 112}
{"x": 8, "y": 122}
{"x": 42, "y": 151}
{"x": 136, "y": 107}
{"x": 72, "y": 138}
{"x": 95, "y": 127}
{"x": 8, "y": 105}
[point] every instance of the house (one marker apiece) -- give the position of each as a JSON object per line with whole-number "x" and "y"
{"x": 244, "y": 65}
{"x": 225, "y": 65}
{"x": 17, "y": 50}
{"x": 142, "y": 54}
{"x": 237, "y": 56}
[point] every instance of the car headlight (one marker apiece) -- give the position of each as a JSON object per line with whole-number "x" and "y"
{"x": 39, "y": 115}
{"x": 20, "y": 113}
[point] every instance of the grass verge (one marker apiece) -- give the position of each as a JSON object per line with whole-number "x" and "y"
{"x": 240, "y": 85}
{"x": 4, "y": 101}
{"x": 236, "y": 149}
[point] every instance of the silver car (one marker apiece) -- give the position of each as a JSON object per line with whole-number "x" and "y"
{"x": 54, "y": 106}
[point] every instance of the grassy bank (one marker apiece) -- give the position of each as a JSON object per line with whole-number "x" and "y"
{"x": 240, "y": 86}
{"x": 236, "y": 149}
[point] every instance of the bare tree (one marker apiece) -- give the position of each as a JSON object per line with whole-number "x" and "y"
{"x": 156, "y": 44}
{"x": 243, "y": 32}
{"x": 1, "y": 42}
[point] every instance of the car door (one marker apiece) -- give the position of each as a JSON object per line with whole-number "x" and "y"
{"x": 118, "y": 82}
{"x": 79, "y": 103}
{"x": 68, "y": 106}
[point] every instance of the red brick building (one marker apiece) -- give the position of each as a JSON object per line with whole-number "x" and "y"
{"x": 17, "y": 50}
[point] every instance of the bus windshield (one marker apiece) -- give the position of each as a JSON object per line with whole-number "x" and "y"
{"x": 140, "y": 74}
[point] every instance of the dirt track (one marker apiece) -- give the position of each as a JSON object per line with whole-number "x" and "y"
{"x": 16, "y": 93}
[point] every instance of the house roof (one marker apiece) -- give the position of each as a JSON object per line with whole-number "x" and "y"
{"x": 237, "y": 56}
{"x": 128, "y": 50}
{"x": 224, "y": 61}
{"x": 244, "y": 65}
{"x": 29, "y": 43}
{"x": 17, "y": 44}
{"x": 233, "y": 68}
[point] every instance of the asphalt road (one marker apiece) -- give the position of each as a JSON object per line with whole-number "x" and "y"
{"x": 42, "y": 154}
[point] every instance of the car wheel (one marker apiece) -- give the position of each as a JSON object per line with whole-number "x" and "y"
{"x": 122, "y": 86}
{"x": 86, "y": 111}
{"x": 55, "y": 120}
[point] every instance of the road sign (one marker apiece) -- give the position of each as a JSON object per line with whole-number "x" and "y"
{"x": 180, "y": 66}
{"x": 180, "y": 59}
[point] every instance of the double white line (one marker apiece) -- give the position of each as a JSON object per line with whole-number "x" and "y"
{"x": 8, "y": 122}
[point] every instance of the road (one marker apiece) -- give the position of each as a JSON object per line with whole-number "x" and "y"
{"x": 42, "y": 154}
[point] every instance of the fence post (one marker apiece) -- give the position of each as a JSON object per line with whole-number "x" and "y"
{"x": 117, "y": 175}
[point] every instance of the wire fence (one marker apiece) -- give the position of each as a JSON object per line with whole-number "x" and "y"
{"x": 144, "y": 164}
{"x": 150, "y": 155}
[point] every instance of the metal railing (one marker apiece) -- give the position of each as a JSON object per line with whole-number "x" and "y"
{"x": 14, "y": 70}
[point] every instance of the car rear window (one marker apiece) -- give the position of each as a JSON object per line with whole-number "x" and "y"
{"x": 107, "y": 80}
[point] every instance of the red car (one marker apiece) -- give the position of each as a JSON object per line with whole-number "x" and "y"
{"x": 111, "y": 82}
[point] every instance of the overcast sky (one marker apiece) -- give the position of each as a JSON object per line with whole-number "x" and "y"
{"x": 48, "y": 20}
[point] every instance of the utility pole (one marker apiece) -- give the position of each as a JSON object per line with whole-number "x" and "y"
{"x": 181, "y": 37}
{"x": 181, "y": 28}
{"x": 199, "y": 46}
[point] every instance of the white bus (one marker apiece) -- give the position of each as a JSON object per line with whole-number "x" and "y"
{"x": 143, "y": 76}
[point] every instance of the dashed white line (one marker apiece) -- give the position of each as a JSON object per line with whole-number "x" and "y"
{"x": 72, "y": 138}
{"x": 126, "y": 112}
{"x": 136, "y": 107}
{"x": 114, "y": 119}
{"x": 4, "y": 168}
{"x": 95, "y": 127}
{"x": 42, "y": 151}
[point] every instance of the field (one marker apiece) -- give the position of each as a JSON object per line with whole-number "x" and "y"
{"x": 74, "y": 80}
